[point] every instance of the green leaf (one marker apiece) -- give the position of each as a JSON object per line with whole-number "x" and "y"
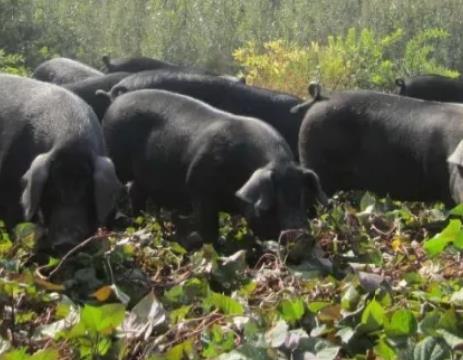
{"x": 373, "y": 316}
{"x": 218, "y": 341}
{"x": 16, "y": 354}
{"x": 292, "y": 310}
{"x": 430, "y": 322}
{"x": 350, "y": 298}
{"x": 48, "y": 354}
{"x": 252, "y": 332}
{"x": 227, "y": 274}
{"x": 103, "y": 319}
{"x": 21, "y": 354}
{"x": 450, "y": 321}
{"x": 181, "y": 351}
{"x": 458, "y": 241}
{"x": 457, "y": 210}
{"x": 103, "y": 346}
{"x": 403, "y": 323}
{"x": 225, "y": 304}
{"x": 413, "y": 278}
{"x": 204, "y": 261}
{"x": 436, "y": 245}
{"x": 188, "y": 292}
{"x": 179, "y": 314}
{"x": 27, "y": 234}
{"x": 385, "y": 351}
{"x": 316, "y": 306}
{"x": 440, "y": 241}
{"x": 431, "y": 348}
{"x": 247, "y": 290}
{"x": 5, "y": 244}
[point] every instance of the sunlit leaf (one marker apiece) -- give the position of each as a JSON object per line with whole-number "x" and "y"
{"x": 292, "y": 310}
{"x": 180, "y": 351}
{"x": 385, "y": 351}
{"x": 457, "y": 298}
{"x": 5, "y": 345}
{"x": 350, "y": 298}
{"x": 439, "y": 242}
{"x": 103, "y": 319}
{"x": 179, "y": 314}
{"x": 48, "y": 354}
{"x": 431, "y": 348}
{"x": 367, "y": 203}
{"x": 328, "y": 353}
{"x": 16, "y": 354}
{"x": 276, "y": 336}
{"x": 373, "y": 316}
{"x": 457, "y": 210}
{"x": 402, "y": 323}
{"x": 224, "y": 303}
{"x": 247, "y": 352}
{"x": 147, "y": 315}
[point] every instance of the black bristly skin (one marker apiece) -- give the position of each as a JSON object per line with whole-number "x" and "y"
{"x": 432, "y": 87}
{"x": 88, "y": 90}
{"x": 187, "y": 155}
{"x": 272, "y": 107}
{"x": 387, "y": 144}
{"x": 53, "y": 165}
{"x": 63, "y": 71}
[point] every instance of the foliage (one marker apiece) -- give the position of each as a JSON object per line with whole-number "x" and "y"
{"x": 206, "y": 32}
{"x": 367, "y": 289}
{"x": 360, "y": 59}
{"x": 285, "y": 66}
{"x": 418, "y": 50}
{"x": 12, "y": 64}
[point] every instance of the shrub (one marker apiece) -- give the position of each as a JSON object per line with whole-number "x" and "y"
{"x": 418, "y": 50}
{"x": 360, "y": 59}
{"x": 12, "y": 64}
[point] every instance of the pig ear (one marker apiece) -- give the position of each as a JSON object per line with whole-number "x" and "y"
{"x": 34, "y": 182}
{"x": 312, "y": 183}
{"x": 106, "y": 187}
{"x": 258, "y": 190}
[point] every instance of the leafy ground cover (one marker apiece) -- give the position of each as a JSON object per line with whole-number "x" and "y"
{"x": 380, "y": 280}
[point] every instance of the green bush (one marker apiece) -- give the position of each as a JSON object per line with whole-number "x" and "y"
{"x": 418, "y": 54}
{"x": 12, "y": 64}
{"x": 358, "y": 59}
